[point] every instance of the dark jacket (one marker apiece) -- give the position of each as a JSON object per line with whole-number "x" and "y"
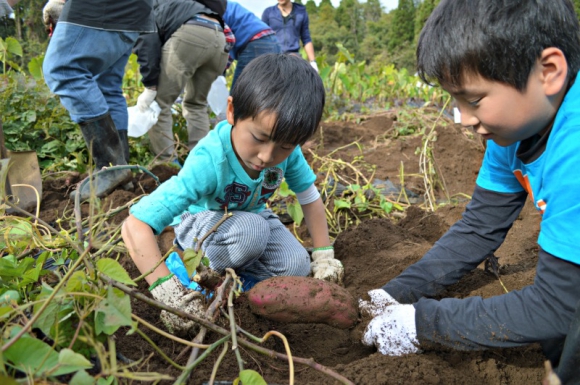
{"x": 291, "y": 30}
{"x": 169, "y": 16}
{"x": 110, "y": 15}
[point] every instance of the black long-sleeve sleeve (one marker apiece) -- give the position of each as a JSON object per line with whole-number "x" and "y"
{"x": 485, "y": 223}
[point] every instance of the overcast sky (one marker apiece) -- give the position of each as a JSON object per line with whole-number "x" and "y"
{"x": 258, "y": 6}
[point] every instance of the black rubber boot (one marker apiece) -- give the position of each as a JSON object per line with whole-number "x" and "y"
{"x": 125, "y": 143}
{"x": 106, "y": 148}
{"x": 123, "y": 135}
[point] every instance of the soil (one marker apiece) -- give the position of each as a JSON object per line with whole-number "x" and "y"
{"x": 373, "y": 252}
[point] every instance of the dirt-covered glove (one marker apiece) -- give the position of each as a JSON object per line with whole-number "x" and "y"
{"x": 324, "y": 266}
{"x": 393, "y": 332}
{"x": 314, "y": 65}
{"x": 171, "y": 292}
{"x": 145, "y": 99}
{"x": 379, "y": 301}
{"x": 51, "y": 13}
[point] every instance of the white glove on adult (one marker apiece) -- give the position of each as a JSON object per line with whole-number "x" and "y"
{"x": 145, "y": 99}
{"x": 324, "y": 266}
{"x": 51, "y": 13}
{"x": 314, "y": 65}
{"x": 393, "y": 332}
{"x": 172, "y": 293}
{"x": 379, "y": 301}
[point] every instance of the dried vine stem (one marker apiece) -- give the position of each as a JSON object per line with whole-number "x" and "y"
{"x": 219, "y": 330}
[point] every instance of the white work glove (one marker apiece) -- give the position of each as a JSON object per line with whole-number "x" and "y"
{"x": 393, "y": 332}
{"x": 51, "y": 13}
{"x": 145, "y": 99}
{"x": 314, "y": 65}
{"x": 172, "y": 293}
{"x": 379, "y": 301}
{"x": 324, "y": 266}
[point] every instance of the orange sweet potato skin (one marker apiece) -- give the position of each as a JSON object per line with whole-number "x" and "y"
{"x": 304, "y": 300}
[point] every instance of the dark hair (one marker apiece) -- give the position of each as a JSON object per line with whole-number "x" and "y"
{"x": 499, "y": 40}
{"x": 285, "y": 85}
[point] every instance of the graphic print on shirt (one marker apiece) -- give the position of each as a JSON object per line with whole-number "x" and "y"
{"x": 525, "y": 182}
{"x": 272, "y": 179}
{"x": 234, "y": 193}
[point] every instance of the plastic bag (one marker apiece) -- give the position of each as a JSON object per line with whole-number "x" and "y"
{"x": 217, "y": 98}
{"x": 141, "y": 122}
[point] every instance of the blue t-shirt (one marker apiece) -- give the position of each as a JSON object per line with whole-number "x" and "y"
{"x": 212, "y": 178}
{"x": 552, "y": 180}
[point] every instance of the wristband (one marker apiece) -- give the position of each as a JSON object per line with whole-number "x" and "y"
{"x": 160, "y": 281}
{"x": 323, "y": 248}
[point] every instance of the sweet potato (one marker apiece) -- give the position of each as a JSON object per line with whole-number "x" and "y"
{"x": 303, "y": 300}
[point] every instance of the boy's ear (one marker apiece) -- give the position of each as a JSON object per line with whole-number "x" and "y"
{"x": 230, "y": 111}
{"x": 554, "y": 70}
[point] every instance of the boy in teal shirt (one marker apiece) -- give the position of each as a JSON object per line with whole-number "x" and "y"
{"x": 236, "y": 168}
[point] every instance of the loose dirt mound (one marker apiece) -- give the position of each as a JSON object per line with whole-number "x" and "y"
{"x": 372, "y": 253}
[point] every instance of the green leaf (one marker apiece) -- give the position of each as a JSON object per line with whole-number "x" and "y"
{"x": 251, "y": 377}
{"x": 13, "y": 46}
{"x": 35, "y": 67}
{"x": 205, "y": 261}
{"x": 57, "y": 310}
{"x": 284, "y": 190}
{"x": 9, "y": 296}
{"x": 76, "y": 282}
{"x": 191, "y": 260}
{"x": 32, "y": 356}
{"x": 112, "y": 313}
{"x": 10, "y": 268}
{"x": 295, "y": 212}
{"x": 113, "y": 269}
{"x": 387, "y": 206}
{"x": 341, "y": 204}
{"x": 70, "y": 359}
{"x": 82, "y": 378}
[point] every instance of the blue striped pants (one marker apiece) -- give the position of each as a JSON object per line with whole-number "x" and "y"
{"x": 258, "y": 245}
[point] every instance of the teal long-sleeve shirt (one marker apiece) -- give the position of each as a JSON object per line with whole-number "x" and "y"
{"x": 212, "y": 178}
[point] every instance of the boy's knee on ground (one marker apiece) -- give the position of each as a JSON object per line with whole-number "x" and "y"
{"x": 297, "y": 265}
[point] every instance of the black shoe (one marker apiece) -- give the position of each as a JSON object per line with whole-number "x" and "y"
{"x": 106, "y": 148}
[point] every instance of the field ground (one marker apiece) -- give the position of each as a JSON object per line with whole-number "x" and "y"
{"x": 373, "y": 252}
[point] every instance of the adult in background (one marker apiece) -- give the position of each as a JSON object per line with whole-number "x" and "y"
{"x": 84, "y": 65}
{"x": 290, "y": 21}
{"x": 188, "y": 53}
{"x": 253, "y": 37}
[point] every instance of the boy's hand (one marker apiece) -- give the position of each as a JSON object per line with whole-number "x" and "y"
{"x": 325, "y": 266}
{"x": 393, "y": 332}
{"x": 51, "y": 13}
{"x": 172, "y": 293}
{"x": 379, "y": 301}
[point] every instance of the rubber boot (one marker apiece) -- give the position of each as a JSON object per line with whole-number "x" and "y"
{"x": 106, "y": 148}
{"x": 123, "y": 135}
{"x": 125, "y": 143}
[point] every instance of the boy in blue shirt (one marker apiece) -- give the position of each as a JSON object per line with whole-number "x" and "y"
{"x": 511, "y": 66}
{"x": 236, "y": 168}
